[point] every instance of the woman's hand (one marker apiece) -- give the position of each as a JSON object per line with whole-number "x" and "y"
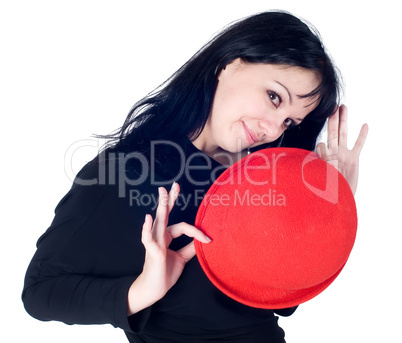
{"x": 337, "y": 152}
{"x": 162, "y": 267}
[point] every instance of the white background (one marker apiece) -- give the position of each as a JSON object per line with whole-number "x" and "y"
{"x": 70, "y": 69}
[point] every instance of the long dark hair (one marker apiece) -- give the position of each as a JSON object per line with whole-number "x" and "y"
{"x": 181, "y": 106}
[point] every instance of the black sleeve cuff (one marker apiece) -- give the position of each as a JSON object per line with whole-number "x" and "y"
{"x": 286, "y": 312}
{"x": 136, "y": 322}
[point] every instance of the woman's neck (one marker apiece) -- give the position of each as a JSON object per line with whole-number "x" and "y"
{"x": 221, "y": 156}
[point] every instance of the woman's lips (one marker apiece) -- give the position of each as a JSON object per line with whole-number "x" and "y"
{"x": 250, "y": 135}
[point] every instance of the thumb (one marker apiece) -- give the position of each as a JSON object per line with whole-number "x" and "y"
{"x": 187, "y": 252}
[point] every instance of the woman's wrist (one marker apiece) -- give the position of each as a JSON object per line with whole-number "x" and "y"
{"x": 139, "y": 296}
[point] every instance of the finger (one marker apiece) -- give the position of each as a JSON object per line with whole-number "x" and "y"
{"x": 321, "y": 150}
{"x": 343, "y": 126}
{"x": 361, "y": 139}
{"x": 183, "y": 228}
{"x": 326, "y": 155}
{"x": 173, "y": 194}
{"x": 333, "y": 129}
{"x": 187, "y": 252}
{"x": 161, "y": 217}
{"x": 146, "y": 236}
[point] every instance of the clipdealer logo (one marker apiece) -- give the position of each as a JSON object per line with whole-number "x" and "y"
{"x": 116, "y": 173}
{"x": 331, "y": 191}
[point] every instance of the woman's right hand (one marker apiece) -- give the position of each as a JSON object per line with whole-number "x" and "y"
{"x": 162, "y": 267}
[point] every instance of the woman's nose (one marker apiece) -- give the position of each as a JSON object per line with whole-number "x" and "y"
{"x": 273, "y": 128}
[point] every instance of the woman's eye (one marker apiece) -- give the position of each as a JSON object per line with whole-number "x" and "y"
{"x": 289, "y": 122}
{"x": 275, "y": 98}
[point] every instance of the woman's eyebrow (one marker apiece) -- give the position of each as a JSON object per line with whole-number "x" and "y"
{"x": 287, "y": 90}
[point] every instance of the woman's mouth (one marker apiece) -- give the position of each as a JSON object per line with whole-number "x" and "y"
{"x": 250, "y": 135}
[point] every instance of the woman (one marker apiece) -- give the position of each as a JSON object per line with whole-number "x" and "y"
{"x": 264, "y": 81}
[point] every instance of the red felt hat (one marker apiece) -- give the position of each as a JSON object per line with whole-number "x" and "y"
{"x": 283, "y": 223}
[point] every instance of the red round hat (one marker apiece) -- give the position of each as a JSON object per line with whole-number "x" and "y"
{"x": 282, "y": 222}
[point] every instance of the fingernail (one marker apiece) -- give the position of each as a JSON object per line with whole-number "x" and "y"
{"x": 207, "y": 238}
{"x": 173, "y": 185}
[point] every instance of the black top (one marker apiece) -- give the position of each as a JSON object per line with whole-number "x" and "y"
{"x": 92, "y": 252}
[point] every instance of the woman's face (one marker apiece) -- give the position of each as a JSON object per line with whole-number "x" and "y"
{"x": 254, "y": 104}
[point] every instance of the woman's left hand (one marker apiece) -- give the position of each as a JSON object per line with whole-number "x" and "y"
{"x": 336, "y": 151}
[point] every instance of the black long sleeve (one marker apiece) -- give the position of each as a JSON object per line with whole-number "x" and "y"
{"x": 76, "y": 275}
